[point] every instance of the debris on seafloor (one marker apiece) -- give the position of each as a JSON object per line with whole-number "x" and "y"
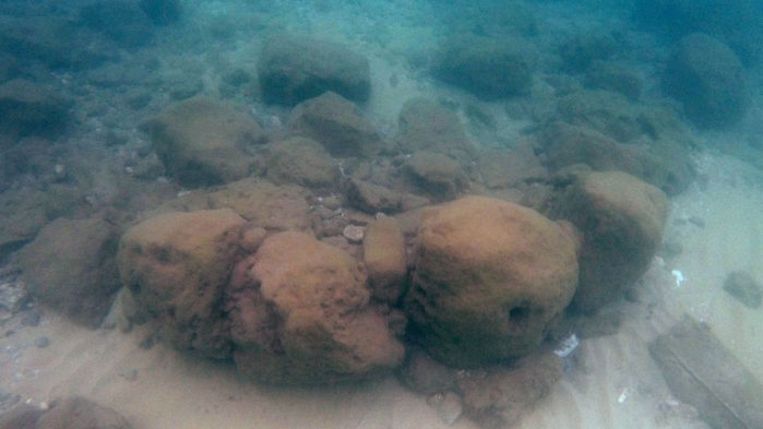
{"x": 701, "y": 372}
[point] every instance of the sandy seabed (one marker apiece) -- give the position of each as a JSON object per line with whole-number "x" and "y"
{"x": 615, "y": 384}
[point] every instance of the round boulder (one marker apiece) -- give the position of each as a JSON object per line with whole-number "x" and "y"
{"x": 489, "y": 278}
{"x": 177, "y": 265}
{"x": 300, "y": 314}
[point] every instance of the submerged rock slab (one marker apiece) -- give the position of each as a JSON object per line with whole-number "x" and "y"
{"x": 489, "y": 278}
{"x": 292, "y": 69}
{"x": 300, "y": 314}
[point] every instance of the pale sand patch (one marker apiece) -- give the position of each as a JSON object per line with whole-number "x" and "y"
{"x": 616, "y": 385}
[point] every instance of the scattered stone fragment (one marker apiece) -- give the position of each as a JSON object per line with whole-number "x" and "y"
{"x": 71, "y": 266}
{"x": 743, "y": 287}
{"x": 489, "y": 277}
{"x": 292, "y": 69}
{"x": 354, "y": 233}
{"x": 337, "y": 124}
{"x": 202, "y": 142}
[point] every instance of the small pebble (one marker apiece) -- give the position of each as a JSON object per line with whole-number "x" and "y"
{"x": 42, "y": 342}
{"x": 354, "y": 233}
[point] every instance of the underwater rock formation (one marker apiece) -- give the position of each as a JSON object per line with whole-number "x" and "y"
{"x": 622, "y": 220}
{"x": 300, "y": 161}
{"x": 708, "y": 78}
{"x": 581, "y": 51}
{"x": 292, "y": 69}
{"x": 489, "y": 277}
{"x": 300, "y": 314}
{"x": 71, "y": 266}
{"x": 611, "y": 76}
{"x": 337, "y": 124}
{"x": 203, "y": 142}
{"x": 177, "y": 265}
{"x": 489, "y": 69}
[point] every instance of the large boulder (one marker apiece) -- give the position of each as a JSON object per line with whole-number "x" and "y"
{"x": 487, "y": 68}
{"x": 708, "y": 78}
{"x": 300, "y": 314}
{"x": 293, "y": 69}
{"x": 71, "y": 266}
{"x": 202, "y": 142}
{"x": 27, "y": 108}
{"x": 337, "y": 124}
{"x": 177, "y": 265}
{"x": 427, "y": 125}
{"x": 489, "y": 278}
{"x": 622, "y": 220}
{"x": 301, "y": 161}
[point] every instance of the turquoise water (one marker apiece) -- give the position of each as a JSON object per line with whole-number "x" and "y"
{"x": 279, "y": 191}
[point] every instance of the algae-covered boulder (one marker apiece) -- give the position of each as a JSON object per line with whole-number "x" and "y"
{"x": 71, "y": 266}
{"x": 337, "y": 124}
{"x": 202, "y": 142}
{"x": 708, "y": 78}
{"x": 177, "y": 265}
{"x": 300, "y": 314}
{"x": 292, "y": 69}
{"x": 489, "y": 278}
{"x": 622, "y": 220}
